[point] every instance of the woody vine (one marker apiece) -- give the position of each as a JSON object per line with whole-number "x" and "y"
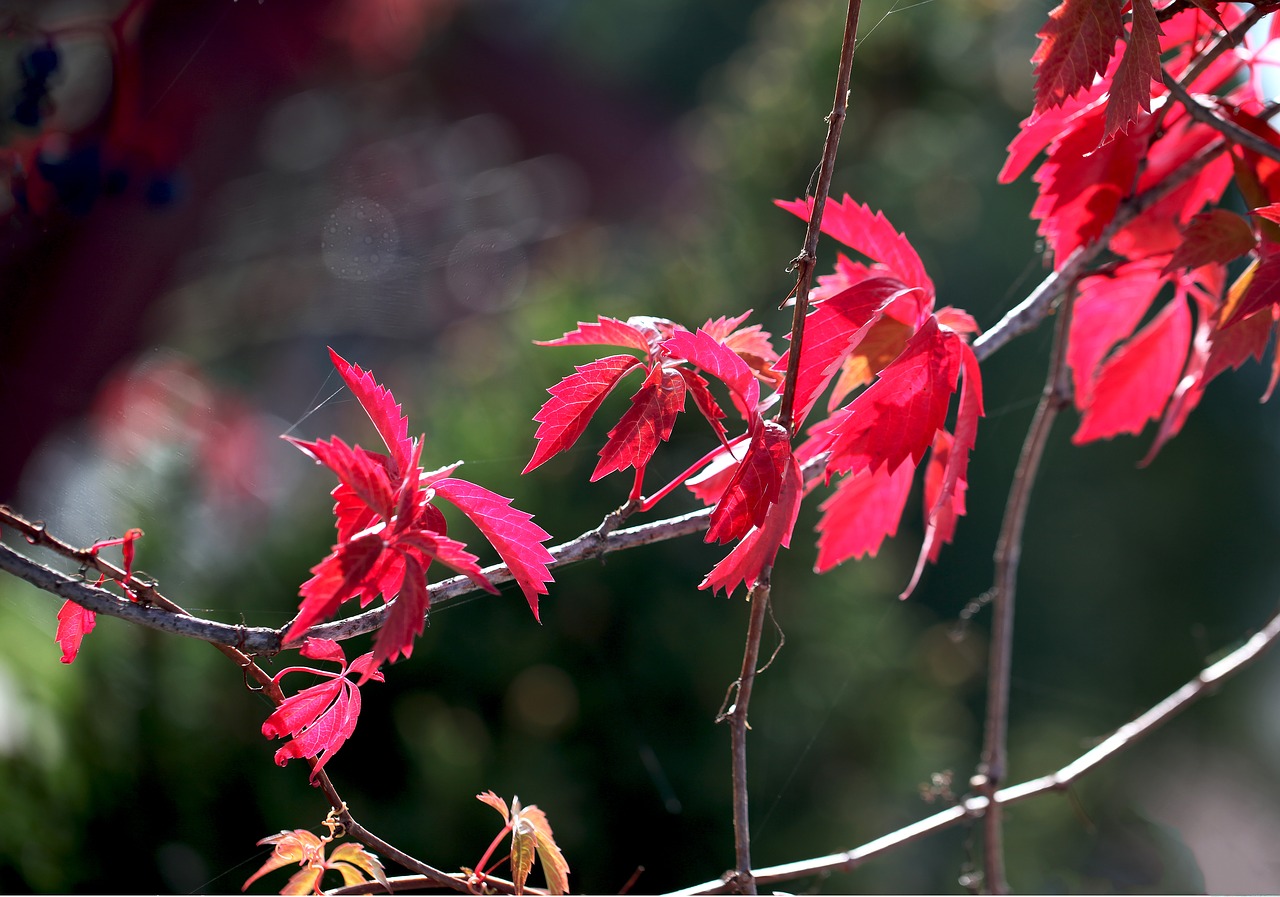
{"x": 1150, "y": 131}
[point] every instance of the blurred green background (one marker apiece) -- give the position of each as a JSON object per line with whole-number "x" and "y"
{"x": 430, "y": 185}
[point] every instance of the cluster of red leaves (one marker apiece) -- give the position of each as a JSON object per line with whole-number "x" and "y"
{"x": 74, "y": 621}
{"x": 355, "y": 864}
{"x": 389, "y": 532}
{"x": 758, "y": 497}
{"x": 874, "y": 324}
{"x": 1109, "y": 130}
{"x": 531, "y": 840}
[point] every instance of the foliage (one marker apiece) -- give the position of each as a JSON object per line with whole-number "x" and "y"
{"x": 1132, "y": 164}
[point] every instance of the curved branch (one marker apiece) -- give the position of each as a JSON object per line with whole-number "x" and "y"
{"x": 1204, "y": 683}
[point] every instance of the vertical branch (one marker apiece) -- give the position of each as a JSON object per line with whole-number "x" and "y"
{"x": 805, "y": 262}
{"x": 737, "y": 717}
{"x": 759, "y": 597}
{"x": 1008, "y": 553}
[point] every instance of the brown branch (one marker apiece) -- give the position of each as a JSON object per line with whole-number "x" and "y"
{"x": 1203, "y": 684}
{"x": 1229, "y": 129}
{"x": 154, "y": 611}
{"x": 807, "y": 260}
{"x": 992, "y": 771}
{"x": 736, "y": 715}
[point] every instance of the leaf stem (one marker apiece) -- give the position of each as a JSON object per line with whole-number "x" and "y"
{"x": 807, "y": 260}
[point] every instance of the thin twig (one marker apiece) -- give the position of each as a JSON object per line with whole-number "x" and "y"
{"x": 1204, "y": 683}
{"x": 738, "y": 726}
{"x": 807, "y": 260}
{"x": 1008, "y": 553}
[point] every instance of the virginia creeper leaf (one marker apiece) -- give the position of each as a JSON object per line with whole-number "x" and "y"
{"x": 834, "y": 328}
{"x": 1107, "y": 309}
{"x": 341, "y": 576}
{"x": 1076, "y": 43}
{"x": 512, "y": 532}
{"x": 704, "y": 400}
{"x": 606, "y": 332}
{"x": 1263, "y": 288}
{"x": 382, "y": 409}
{"x": 1135, "y": 384}
{"x": 945, "y": 505}
{"x": 1131, "y": 86}
{"x": 1217, "y": 236}
{"x": 861, "y": 513}
{"x": 364, "y": 473}
{"x": 721, "y": 362}
{"x": 884, "y": 341}
{"x": 564, "y": 417}
{"x": 759, "y": 547}
{"x": 871, "y": 234}
{"x": 648, "y": 422}
{"x": 896, "y": 417}
{"x": 755, "y": 485}
{"x": 321, "y": 718}
{"x": 74, "y": 623}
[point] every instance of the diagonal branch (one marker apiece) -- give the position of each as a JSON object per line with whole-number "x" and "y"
{"x": 1203, "y": 684}
{"x": 1229, "y": 129}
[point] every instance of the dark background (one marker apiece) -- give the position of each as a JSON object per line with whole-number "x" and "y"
{"x": 517, "y": 166}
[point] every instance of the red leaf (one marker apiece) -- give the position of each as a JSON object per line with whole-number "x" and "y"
{"x": 512, "y": 532}
{"x": 1083, "y": 183}
{"x": 710, "y": 484}
{"x": 1041, "y": 128}
{"x": 74, "y": 623}
{"x": 608, "y": 332}
{"x": 342, "y": 575}
{"x": 1217, "y": 236}
{"x": 321, "y": 718}
{"x": 896, "y": 417}
{"x": 754, "y": 487}
{"x": 1230, "y": 347}
{"x": 408, "y": 614}
{"x": 749, "y": 342}
{"x": 871, "y": 234}
{"x": 759, "y": 547}
{"x": 1107, "y": 309}
{"x": 1131, "y": 86}
{"x": 1213, "y": 351}
{"x": 1263, "y": 289}
{"x": 945, "y": 504}
{"x": 1077, "y": 42}
{"x": 704, "y": 400}
{"x": 427, "y": 545}
{"x": 833, "y": 330}
{"x": 861, "y": 513}
{"x": 364, "y": 473}
{"x": 1135, "y": 384}
{"x": 573, "y": 401}
{"x": 721, "y": 362}
{"x": 1271, "y": 212}
{"x": 648, "y": 421}
{"x": 382, "y": 409}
